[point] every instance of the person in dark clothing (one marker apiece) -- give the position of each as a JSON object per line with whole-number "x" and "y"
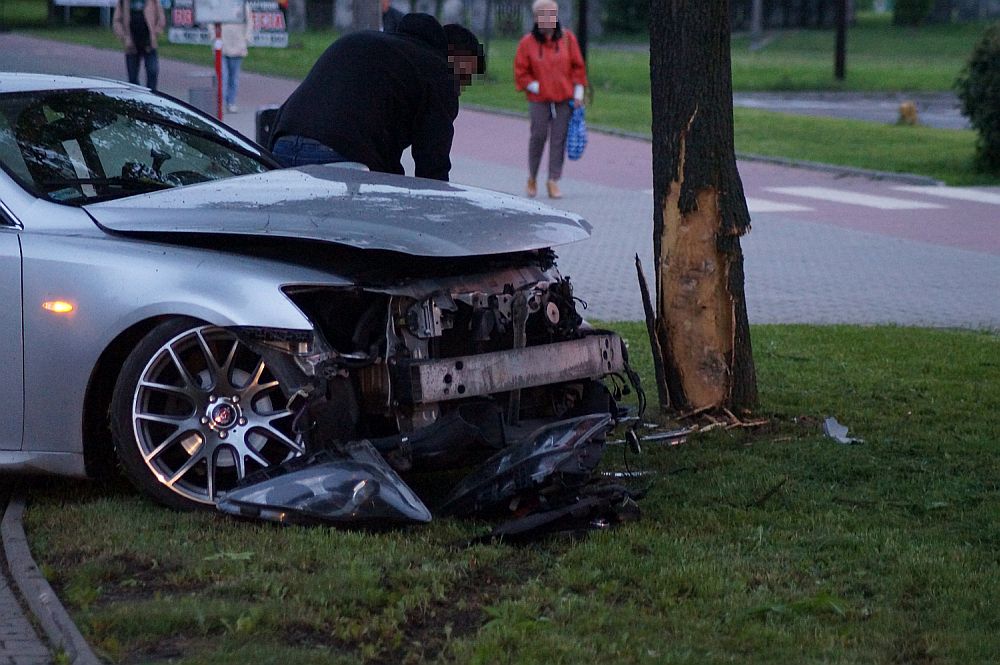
{"x": 138, "y": 23}
{"x": 390, "y": 17}
{"x": 372, "y": 94}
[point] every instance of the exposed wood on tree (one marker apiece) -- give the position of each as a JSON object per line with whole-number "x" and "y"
{"x": 700, "y": 210}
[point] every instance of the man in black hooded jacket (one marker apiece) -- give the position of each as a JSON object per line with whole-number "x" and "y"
{"x": 372, "y": 94}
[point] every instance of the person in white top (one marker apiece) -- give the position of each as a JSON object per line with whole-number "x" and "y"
{"x": 235, "y": 38}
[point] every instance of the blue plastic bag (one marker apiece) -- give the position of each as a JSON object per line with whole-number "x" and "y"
{"x": 576, "y": 139}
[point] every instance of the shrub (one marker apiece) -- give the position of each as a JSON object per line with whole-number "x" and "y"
{"x": 978, "y": 88}
{"x": 911, "y": 12}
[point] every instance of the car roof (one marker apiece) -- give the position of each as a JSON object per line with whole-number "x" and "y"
{"x": 27, "y": 82}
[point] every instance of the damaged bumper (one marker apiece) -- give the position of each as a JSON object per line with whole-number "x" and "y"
{"x": 423, "y": 381}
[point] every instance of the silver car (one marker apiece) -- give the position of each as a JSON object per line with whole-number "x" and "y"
{"x": 174, "y": 304}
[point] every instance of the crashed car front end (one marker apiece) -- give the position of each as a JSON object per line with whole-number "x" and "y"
{"x": 436, "y": 373}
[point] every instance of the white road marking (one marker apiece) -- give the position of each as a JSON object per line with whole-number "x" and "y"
{"x": 764, "y": 205}
{"x": 854, "y": 198}
{"x": 960, "y": 193}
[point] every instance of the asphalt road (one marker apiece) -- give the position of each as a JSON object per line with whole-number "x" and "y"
{"x": 826, "y": 246}
{"x": 940, "y": 110}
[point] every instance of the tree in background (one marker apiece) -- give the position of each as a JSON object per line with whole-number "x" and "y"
{"x": 701, "y": 327}
{"x": 911, "y": 12}
{"x": 626, "y": 16}
{"x": 978, "y": 88}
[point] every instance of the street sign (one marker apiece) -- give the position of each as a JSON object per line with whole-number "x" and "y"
{"x": 219, "y": 11}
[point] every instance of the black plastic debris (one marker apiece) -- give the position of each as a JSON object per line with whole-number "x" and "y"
{"x": 354, "y": 486}
{"x": 565, "y": 452}
{"x": 543, "y": 483}
{"x": 593, "y": 507}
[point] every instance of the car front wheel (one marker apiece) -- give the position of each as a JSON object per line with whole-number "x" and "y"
{"x": 194, "y": 411}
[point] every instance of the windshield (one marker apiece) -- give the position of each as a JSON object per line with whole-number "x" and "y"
{"x": 82, "y": 146}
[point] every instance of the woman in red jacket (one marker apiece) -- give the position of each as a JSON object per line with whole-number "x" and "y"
{"x": 549, "y": 67}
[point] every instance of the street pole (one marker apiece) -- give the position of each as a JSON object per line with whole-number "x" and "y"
{"x": 488, "y": 29}
{"x": 217, "y": 47}
{"x": 756, "y": 23}
{"x": 581, "y": 26}
{"x": 840, "y": 57}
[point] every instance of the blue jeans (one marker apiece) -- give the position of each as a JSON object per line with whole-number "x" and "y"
{"x": 152, "y": 61}
{"x": 298, "y": 150}
{"x": 231, "y": 78}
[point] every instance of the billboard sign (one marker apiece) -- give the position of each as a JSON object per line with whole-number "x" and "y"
{"x": 268, "y": 24}
{"x": 218, "y": 11}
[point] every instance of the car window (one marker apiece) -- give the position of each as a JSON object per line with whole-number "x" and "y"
{"x": 10, "y": 155}
{"x": 81, "y": 146}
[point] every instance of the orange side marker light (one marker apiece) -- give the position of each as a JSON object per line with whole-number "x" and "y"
{"x": 58, "y": 306}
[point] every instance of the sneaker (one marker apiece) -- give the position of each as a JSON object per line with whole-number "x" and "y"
{"x": 532, "y": 188}
{"x": 232, "y": 108}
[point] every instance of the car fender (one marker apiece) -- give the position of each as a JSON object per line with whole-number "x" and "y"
{"x": 115, "y": 283}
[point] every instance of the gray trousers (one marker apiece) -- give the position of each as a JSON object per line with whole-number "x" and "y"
{"x": 548, "y": 121}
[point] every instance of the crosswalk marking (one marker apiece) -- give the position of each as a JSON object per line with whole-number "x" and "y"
{"x": 854, "y": 198}
{"x": 959, "y": 193}
{"x": 763, "y": 205}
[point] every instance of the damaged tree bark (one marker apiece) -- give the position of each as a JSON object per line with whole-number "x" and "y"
{"x": 700, "y": 210}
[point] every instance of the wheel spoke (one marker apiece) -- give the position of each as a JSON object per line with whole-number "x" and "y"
{"x": 173, "y": 390}
{"x": 256, "y": 457}
{"x": 263, "y": 387}
{"x": 255, "y": 376}
{"x": 277, "y": 435}
{"x": 187, "y": 466}
{"x": 227, "y": 364}
{"x": 166, "y": 443}
{"x": 277, "y": 415}
{"x": 210, "y": 477}
{"x": 178, "y": 421}
{"x": 207, "y": 352}
{"x": 241, "y": 465}
{"x": 182, "y": 368}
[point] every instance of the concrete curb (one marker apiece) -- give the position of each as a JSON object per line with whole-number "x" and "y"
{"x": 59, "y": 628}
{"x": 908, "y": 178}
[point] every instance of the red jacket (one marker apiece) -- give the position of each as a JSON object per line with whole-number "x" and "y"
{"x": 556, "y": 64}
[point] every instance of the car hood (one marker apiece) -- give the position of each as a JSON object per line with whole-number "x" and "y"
{"x": 350, "y": 207}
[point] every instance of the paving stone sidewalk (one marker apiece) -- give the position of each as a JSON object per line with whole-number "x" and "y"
{"x": 19, "y": 643}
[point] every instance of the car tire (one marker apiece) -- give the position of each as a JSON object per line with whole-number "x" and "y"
{"x": 194, "y": 411}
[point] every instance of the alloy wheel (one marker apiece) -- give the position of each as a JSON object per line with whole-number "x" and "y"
{"x": 206, "y": 412}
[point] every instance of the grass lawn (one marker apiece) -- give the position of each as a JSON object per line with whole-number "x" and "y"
{"x": 884, "y": 552}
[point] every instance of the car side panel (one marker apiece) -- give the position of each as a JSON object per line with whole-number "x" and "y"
{"x": 115, "y": 283}
{"x": 11, "y": 361}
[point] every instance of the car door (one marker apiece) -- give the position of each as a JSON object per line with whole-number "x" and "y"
{"x": 11, "y": 341}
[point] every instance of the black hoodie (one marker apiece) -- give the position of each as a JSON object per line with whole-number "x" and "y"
{"x": 373, "y": 94}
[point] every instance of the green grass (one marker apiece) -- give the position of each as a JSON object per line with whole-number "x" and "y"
{"x": 881, "y": 57}
{"x": 884, "y": 552}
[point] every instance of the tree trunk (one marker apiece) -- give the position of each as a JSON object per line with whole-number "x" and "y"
{"x": 756, "y": 22}
{"x": 700, "y": 209}
{"x": 367, "y": 14}
{"x": 296, "y": 17}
